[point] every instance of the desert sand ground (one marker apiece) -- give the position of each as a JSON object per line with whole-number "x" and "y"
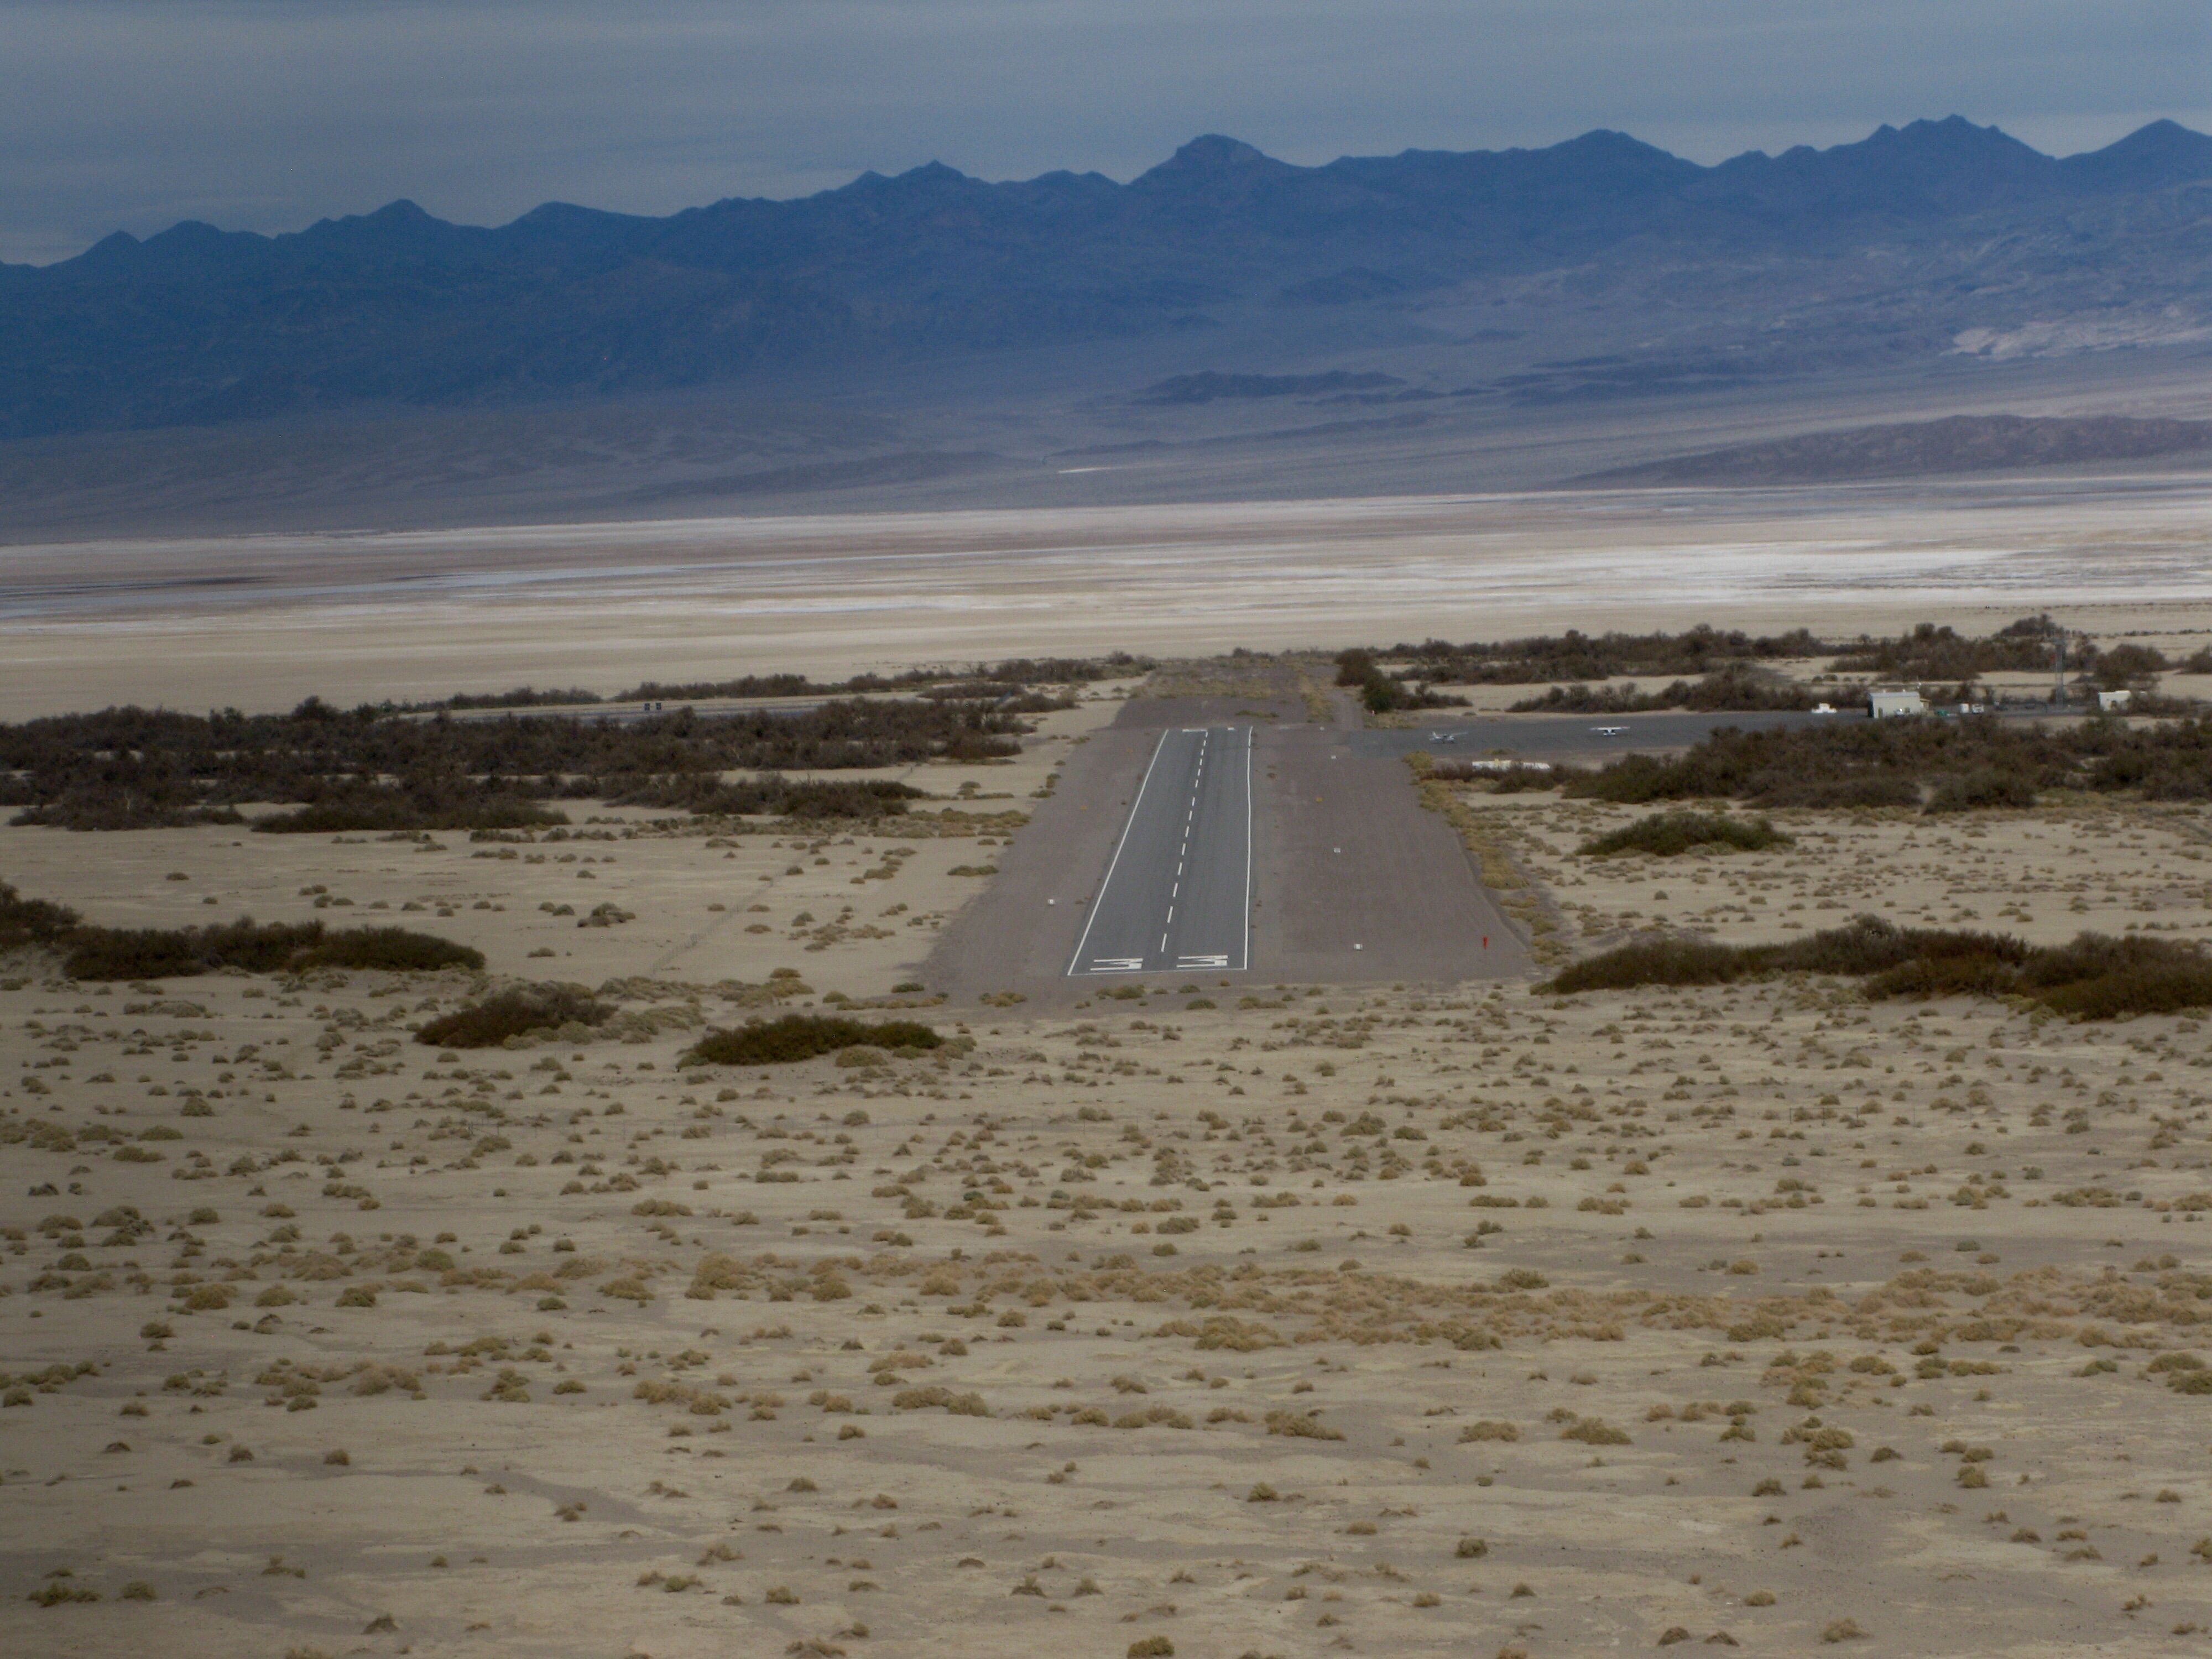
{"x": 259, "y": 621}
{"x": 1210, "y": 1319}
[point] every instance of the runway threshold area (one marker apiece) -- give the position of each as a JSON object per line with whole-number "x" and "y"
{"x": 1177, "y": 893}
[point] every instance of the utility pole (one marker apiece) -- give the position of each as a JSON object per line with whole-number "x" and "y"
{"x": 2058, "y": 695}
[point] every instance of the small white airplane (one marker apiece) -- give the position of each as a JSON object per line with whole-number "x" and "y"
{"x": 1444, "y": 737}
{"x": 1610, "y": 731}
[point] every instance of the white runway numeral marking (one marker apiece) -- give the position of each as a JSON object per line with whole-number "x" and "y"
{"x": 1202, "y": 962}
{"x": 1117, "y": 964}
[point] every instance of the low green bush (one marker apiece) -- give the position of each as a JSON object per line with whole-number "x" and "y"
{"x": 804, "y": 1037}
{"x": 1870, "y": 944}
{"x": 176, "y": 952}
{"x": 32, "y": 921}
{"x": 394, "y": 949}
{"x": 1665, "y": 835}
{"x": 773, "y": 795}
{"x": 2096, "y": 977}
{"x": 1968, "y": 974}
{"x": 488, "y": 1024}
{"x": 1985, "y": 786}
{"x": 111, "y": 953}
{"x": 1658, "y": 961}
{"x": 384, "y": 808}
{"x": 94, "y": 808}
{"x": 2100, "y": 977}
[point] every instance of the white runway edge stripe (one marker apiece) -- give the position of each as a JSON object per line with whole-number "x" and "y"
{"x": 1173, "y": 895}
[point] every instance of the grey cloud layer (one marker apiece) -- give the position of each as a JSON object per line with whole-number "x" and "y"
{"x": 265, "y": 114}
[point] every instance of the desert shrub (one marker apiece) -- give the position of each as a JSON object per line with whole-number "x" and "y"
{"x": 774, "y": 794}
{"x": 1517, "y": 779}
{"x": 1511, "y": 779}
{"x": 380, "y": 768}
{"x": 1738, "y": 688}
{"x": 32, "y": 921}
{"x": 1955, "y": 765}
{"x": 392, "y": 808}
{"x": 2100, "y": 977}
{"x": 1379, "y": 692}
{"x": 111, "y": 953}
{"x": 488, "y": 1024}
{"x": 1664, "y": 835}
{"x": 94, "y": 808}
{"x": 1929, "y": 652}
{"x": 804, "y": 1037}
{"x": 1865, "y": 944}
{"x": 1844, "y": 764}
{"x": 173, "y": 952}
{"x": 394, "y": 949}
{"x": 1938, "y": 963}
{"x": 2097, "y": 976}
{"x": 936, "y": 1395}
{"x": 523, "y": 696}
{"x": 1975, "y": 974}
{"x": 1595, "y": 1432}
{"x": 1658, "y": 961}
{"x": 1575, "y": 656}
{"x": 1984, "y": 786}
{"x": 997, "y": 677}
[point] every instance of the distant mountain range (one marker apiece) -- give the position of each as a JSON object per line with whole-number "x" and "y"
{"x": 1908, "y": 238}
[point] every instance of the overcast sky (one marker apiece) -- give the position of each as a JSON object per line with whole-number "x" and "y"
{"x": 267, "y": 114}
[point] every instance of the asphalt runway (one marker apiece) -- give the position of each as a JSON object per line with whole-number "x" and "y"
{"x": 1177, "y": 893}
{"x": 1352, "y": 879}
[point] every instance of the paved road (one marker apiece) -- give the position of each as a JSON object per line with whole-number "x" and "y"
{"x": 1177, "y": 892}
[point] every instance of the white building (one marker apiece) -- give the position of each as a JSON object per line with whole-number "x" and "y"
{"x": 1888, "y": 705}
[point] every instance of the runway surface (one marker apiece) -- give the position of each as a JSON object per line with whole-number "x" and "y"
{"x": 1177, "y": 893}
{"x": 1181, "y": 803}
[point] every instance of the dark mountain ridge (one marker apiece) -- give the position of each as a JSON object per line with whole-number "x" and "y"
{"x": 198, "y": 324}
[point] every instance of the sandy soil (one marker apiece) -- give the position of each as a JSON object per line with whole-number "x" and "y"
{"x": 1173, "y": 1322}
{"x": 260, "y": 621}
